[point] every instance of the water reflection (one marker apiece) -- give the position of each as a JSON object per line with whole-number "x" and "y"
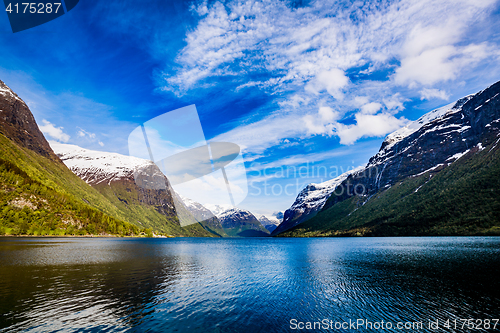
{"x": 242, "y": 285}
{"x": 49, "y": 285}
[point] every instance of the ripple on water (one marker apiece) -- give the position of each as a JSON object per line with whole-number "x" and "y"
{"x": 242, "y": 285}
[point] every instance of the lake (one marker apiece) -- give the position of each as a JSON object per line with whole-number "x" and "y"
{"x": 249, "y": 285}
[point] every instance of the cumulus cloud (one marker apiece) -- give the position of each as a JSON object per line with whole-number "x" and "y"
{"x": 332, "y": 81}
{"x": 54, "y": 132}
{"x": 371, "y": 108}
{"x": 439, "y": 64}
{"x": 327, "y": 114}
{"x": 433, "y": 93}
{"x": 368, "y": 124}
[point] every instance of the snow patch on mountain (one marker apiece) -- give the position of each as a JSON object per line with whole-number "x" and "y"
{"x": 190, "y": 204}
{"x": 414, "y": 126}
{"x": 436, "y": 115}
{"x": 269, "y": 222}
{"x": 5, "y": 90}
{"x": 218, "y": 210}
{"x": 314, "y": 196}
{"x": 311, "y": 200}
{"x": 96, "y": 166}
{"x": 232, "y": 213}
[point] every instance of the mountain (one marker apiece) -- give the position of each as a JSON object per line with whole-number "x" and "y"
{"x": 218, "y": 209}
{"x": 309, "y": 202}
{"x": 225, "y": 220}
{"x": 241, "y": 223}
{"x": 39, "y": 195}
{"x": 237, "y": 222}
{"x": 18, "y": 124}
{"x": 204, "y": 216}
{"x": 438, "y": 175}
{"x": 116, "y": 177}
{"x": 270, "y": 223}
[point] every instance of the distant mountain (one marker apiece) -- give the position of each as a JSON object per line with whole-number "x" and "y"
{"x": 218, "y": 209}
{"x": 115, "y": 176}
{"x": 242, "y": 223}
{"x": 439, "y": 175}
{"x": 207, "y": 219}
{"x": 237, "y": 222}
{"x": 271, "y": 222}
{"x": 309, "y": 202}
{"x": 38, "y": 193}
{"x": 226, "y": 220}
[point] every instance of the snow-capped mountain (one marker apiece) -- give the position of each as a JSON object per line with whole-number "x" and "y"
{"x": 95, "y": 167}
{"x": 310, "y": 201}
{"x": 271, "y": 222}
{"x": 237, "y": 222}
{"x": 429, "y": 144}
{"x": 429, "y": 121}
{"x": 200, "y": 212}
{"x": 128, "y": 181}
{"x": 240, "y": 222}
{"x": 218, "y": 209}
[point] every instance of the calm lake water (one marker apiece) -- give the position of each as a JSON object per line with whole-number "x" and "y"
{"x": 245, "y": 285}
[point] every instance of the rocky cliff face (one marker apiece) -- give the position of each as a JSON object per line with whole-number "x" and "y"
{"x": 18, "y": 124}
{"x": 429, "y": 144}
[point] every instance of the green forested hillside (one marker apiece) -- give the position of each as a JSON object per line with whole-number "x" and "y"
{"x": 461, "y": 199}
{"x": 40, "y": 196}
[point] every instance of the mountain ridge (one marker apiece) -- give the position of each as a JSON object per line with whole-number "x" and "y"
{"x": 309, "y": 202}
{"x": 134, "y": 185}
{"x": 422, "y": 149}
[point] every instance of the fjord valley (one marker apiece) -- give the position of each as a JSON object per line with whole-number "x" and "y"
{"x": 438, "y": 175}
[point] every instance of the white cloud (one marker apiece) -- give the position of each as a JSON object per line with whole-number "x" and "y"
{"x": 54, "y": 132}
{"x": 394, "y": 102}
{"x": 332, "y": 81}
{"x": 368, "y": 125}
{"x": 314, "y": 45}
{"x": 433, "y": 93}
{"x": 258, "y": 136}
{"x": 327, "y": 114}
{"x": 371, "y": 108}
{"x": 88, "y": 136}
{"x": 438, "y": 64}
{"x": 84, "y": 134}
{"x": 431, "y": 54}
{"x": 310, "y": 50}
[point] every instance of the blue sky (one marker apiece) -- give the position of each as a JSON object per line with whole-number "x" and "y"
{"x": 295, "y": 83}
